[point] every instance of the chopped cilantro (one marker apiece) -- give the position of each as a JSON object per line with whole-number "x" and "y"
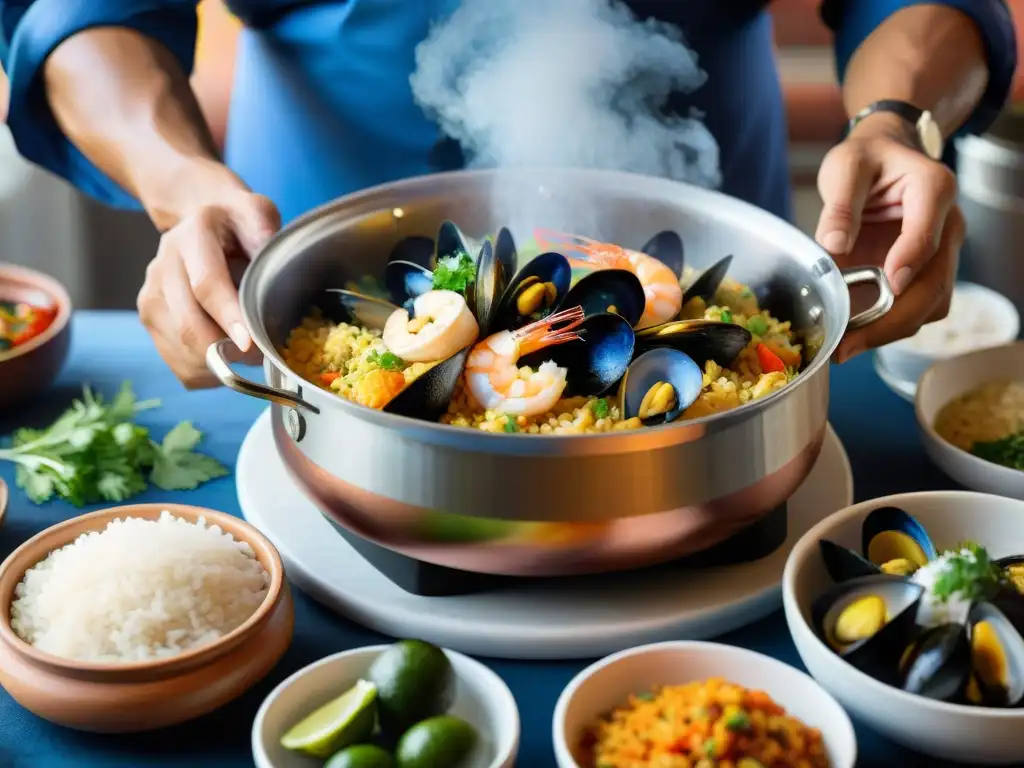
{"x": 455, "y": 273}
{"x": 600, "y": 408}
{"x": 726, "y": 316}
{"x": 510, "y": 424}
{"x": 1007, "y": 451}
{"x": 387, "y": 360}
{"x": 737, "y": 721}
{"x": 757, "y": 325}
{"x": 969, "y": 573}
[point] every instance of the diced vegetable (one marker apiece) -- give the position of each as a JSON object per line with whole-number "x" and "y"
{"x": 770, "y": 362}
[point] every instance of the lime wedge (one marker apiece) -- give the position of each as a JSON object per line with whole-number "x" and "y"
{"x": 343, "y": 721}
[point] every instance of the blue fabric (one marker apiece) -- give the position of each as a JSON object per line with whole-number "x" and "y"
{"x": 854, "y": 20}
{"x": 886, "y": 458}
{"x": 323, "y": 107}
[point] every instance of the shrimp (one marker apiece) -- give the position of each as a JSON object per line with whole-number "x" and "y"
{"x": 498, "y": 383}
{"x": 442, "y": 326}
{"x": 662, "y": 291}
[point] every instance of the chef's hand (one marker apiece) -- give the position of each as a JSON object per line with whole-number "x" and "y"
{"x": 189, "y": 299}
{"x": 887, "y": 204}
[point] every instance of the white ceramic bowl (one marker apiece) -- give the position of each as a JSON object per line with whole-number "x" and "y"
{"x": 608, "y": 683}
{"x": 974, "y": 735}
{"x": 952, "y": 378}
{"x": 903, "y": 363}
{"x": 481, "y": 699}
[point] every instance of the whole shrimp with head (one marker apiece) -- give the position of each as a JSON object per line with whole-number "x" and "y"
{"x": 662, "y": 292}
{"x": 496, "y": 381}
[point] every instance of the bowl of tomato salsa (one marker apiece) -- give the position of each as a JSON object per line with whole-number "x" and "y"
{"x": 35, "y": 332}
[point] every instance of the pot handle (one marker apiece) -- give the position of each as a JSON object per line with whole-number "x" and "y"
{"x": 220, "y": 366}
{"x": 859, "y": 275}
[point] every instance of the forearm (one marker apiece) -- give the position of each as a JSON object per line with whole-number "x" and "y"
{"x": 123, "y": 100}
{"x": 931, "y": 56}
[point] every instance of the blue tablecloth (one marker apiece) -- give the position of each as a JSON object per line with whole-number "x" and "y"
{"x": 877, "y": 428}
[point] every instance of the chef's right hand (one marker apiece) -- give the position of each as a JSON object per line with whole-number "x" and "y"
{"x": 189, "y": 298}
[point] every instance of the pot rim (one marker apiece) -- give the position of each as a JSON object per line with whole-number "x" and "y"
{"x": 725, "y": 207}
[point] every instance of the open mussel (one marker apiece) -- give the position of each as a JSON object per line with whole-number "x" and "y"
{"x": 997, "y": 659}
{"x": 937, "y": 664}
{"x": 505, "y": 251}
{"x": 405, "y": 281}
{"x": 869, "y": 622}
{"x": 707, "y": 283}
{"x": 702, "y": 340}
{"x": 344, "y": 305}
{"x": 895, "y": 541}
{"x": 667, "y": 247}
{"x": 425, "y": 252}
{"x": 488, "y": 287}
{"x": 659, "y": 386}
{"x": 596, "y": 361}
{"x": 844, "y": 564}
{"x": 609, "y": 290}
{"x": 535, "y": 291}
{"x": 428, "y": 395}
{"x": 1013, "y": 567}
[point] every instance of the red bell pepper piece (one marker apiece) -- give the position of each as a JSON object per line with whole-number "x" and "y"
{"x": 770, "y": 362}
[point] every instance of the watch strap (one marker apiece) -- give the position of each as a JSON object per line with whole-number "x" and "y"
{"x": 929, "y": 137}
{"x": 903, "y": 109}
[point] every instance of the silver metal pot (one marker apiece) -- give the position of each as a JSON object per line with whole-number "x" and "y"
{"x": 544, "y": 504}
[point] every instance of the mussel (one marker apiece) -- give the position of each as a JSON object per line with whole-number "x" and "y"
{"x": 869, "y": 622}
{"x": 997, "y": 658}
{"x": 707, "y": 283}
{"x": 535, "y": 291}
{"x": 505, "y": 251}
{"x": 702, "y": 340}
{"x": 937, "y": 664}
{"x": 1013, "y": 566}
{"x": 659, "y": 386}
{"x": 405, "y": 281}
{"x": 892, "y": 543}
{"x": 667, "y": 247}
{"x": 425, "y": 252}
{"x": 597, "y": 360}
{"x": 609, "y": 290}
{"x": 428, "y": 395}
{"x": 350, "y": 306}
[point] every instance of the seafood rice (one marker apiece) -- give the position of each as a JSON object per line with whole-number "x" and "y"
{"x": 702, "y": 725}
{"x": 498, "y": 393}
{"x": 987, "y": 413}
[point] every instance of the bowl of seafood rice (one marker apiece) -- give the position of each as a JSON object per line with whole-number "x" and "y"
{"x": 677, "y": 333}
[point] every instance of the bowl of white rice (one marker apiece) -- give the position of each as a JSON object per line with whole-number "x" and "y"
{"x": 140, "y": 617}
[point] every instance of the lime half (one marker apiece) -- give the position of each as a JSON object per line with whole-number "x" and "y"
{"x": 346, "y": 720}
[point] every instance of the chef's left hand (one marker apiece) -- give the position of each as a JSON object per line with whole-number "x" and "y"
{"x": 887, "y": 204}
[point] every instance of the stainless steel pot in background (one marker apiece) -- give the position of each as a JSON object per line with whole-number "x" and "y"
{"x": 990, "y": 169}
{"x": 546, "y": 504}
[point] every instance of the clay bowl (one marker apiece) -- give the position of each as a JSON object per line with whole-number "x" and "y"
{"x": 139, "y": 696}
{"x": 30, "y": 368}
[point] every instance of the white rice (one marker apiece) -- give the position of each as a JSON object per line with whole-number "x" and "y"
{"x": 138, "y": 590}
{"x": 932, "y": 611}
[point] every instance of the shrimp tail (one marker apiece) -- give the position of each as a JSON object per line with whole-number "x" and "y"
{"x": 542, "y": 333}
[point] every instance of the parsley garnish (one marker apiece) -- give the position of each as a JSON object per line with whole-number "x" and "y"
{"x": 510, "y": 424}
{"x": 454, "y": 273}
{"x": 1007, "y": 451}
{"x": 600, "y": 408}
{"x": 386, "y": 360}
{"x": 95, "y": 452}
{"x": 726, "y": 316}
{"x": 969, "y": 573}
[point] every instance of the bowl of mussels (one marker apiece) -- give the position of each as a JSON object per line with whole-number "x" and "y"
{"x": 909, "y": 609}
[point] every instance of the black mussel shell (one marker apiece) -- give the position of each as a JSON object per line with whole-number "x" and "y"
{"x": 427, "y": 397}
{"x": 488, "y": 288}
{"x": 889, "y": 533}
{"x": 844, "y": 564}
{"x": 405, "y": 280}
{"x": 1016, "y": 562}
{"x": 997, "y": 652}
{"x": 879, "y": 654}
{"x": 666, "y": 247}
{"x": 594, "y": 363}
{"x": 450, "y": 241}
{"x": 702, "y": 340}
{"x": 937, "y": 665}
{"x": 608, "y": 290}
{"x": 1011, "y": 602}
{"x": 548, "y": 267}
{"x": 350, "y": 306}
{"x": 505, "y": 250}
{"x": 707, "y": 284}
{"x": 415, "y": 249}
{"x": 660, "y": 365}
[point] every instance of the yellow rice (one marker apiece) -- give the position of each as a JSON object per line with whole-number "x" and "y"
{"x": 710, "y": 724}
{"x": 344, "y": 359}
{"x": 990, "y": 412}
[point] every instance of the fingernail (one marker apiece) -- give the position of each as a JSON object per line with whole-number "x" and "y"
{"x": 901, "y": 279}
{"x": 239, "y": 336}
{"x": 836, "y": 242}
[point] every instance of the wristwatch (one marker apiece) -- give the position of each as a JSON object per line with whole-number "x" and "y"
{"x": 929, "y": 135}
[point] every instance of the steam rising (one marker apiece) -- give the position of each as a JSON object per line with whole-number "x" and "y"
{"x": 562, "y": 83}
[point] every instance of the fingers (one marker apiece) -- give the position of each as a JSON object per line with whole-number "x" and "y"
{"x": 925, "y": 300}
{"x": 927, "y": 200}
{"x": 844, "y": 182}
{"x": 255, "y": 222}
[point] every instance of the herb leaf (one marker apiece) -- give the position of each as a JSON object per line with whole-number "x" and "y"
{"x": 455, "y": 273}
{"x": 600, "y": 408}
{"x": 386, "y": 360}
{"x": 969, "y": 573}
{"x": 1007, "y": 451}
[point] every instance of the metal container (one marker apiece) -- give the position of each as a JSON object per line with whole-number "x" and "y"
{"x": 546, "y": 504}
{"x": 990, "y": 171}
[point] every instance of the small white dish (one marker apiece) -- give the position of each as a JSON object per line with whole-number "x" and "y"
{"x": 481, "y": 699}
{"x": 608, "y": 683}
{"x": 993, "y": 318}
{"x": 949, "y": 379}
{"x": 904, "y": 389}
{"x": 973, "y": 735}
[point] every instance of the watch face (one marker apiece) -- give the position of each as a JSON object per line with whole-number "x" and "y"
{"x": 931, "y": 136}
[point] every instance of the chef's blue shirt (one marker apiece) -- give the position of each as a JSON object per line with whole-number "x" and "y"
{"x": 322, "y": 103}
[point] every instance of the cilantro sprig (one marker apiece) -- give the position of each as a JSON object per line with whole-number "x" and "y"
{"x": 1007, "y": 451}
{"x": 96, "y": 452}
{"x": 455, "y": 273}
{"x": 970, "y": 573}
